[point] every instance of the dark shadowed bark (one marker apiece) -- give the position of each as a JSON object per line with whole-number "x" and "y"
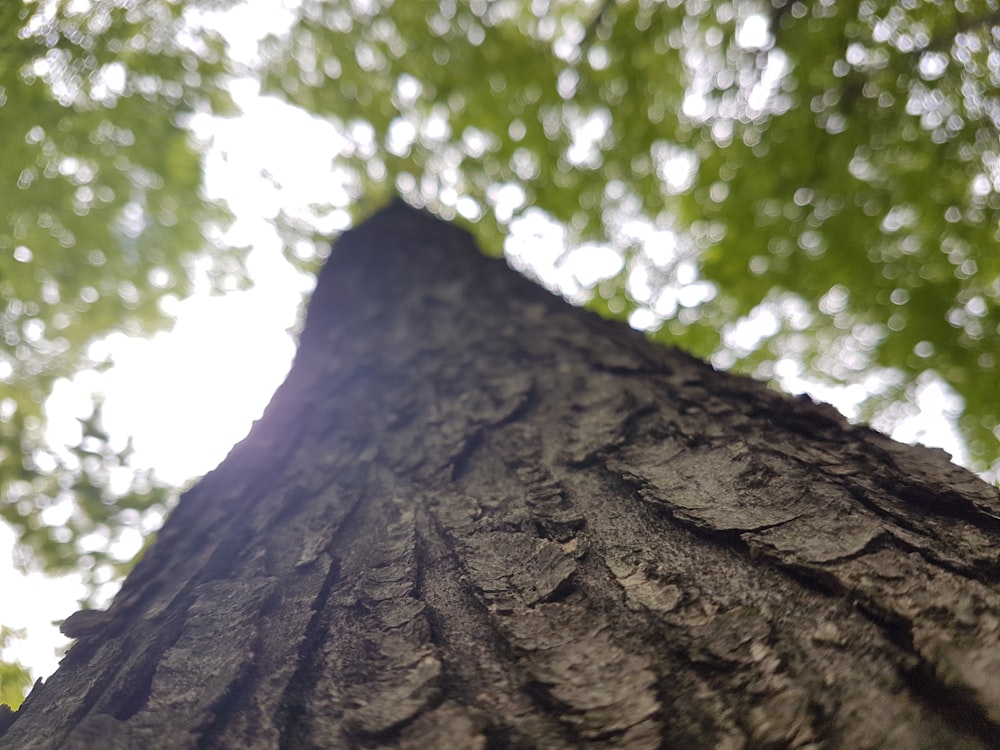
{"x": 476, "y": 517}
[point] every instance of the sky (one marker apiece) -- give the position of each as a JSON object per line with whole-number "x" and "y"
{"x": 226, "y": 355}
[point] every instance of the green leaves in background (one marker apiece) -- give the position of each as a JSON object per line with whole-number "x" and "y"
{"x": 84, "y": 509}
{"x": 831, "y": 166}
{"x": 103, "y": 215}
{"x": 14, "y": 678}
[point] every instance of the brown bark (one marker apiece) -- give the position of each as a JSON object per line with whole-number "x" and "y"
{"x": 476, "y": 517}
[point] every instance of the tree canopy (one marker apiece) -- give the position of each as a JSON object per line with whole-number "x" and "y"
{"x": 103, "y": 216}
{"x": 823, "y": 175}
{"x": 829, "y": 168}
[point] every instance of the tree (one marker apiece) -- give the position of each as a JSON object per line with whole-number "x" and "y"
{"x": 826, "y": 172}
{"x": 476, "y": 516}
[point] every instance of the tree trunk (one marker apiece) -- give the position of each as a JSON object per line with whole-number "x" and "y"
{"x": 476, "y": 517}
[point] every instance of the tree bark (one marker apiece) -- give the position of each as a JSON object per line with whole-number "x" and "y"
{"x": 476, "y": 517}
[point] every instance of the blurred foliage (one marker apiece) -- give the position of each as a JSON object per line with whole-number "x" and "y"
{"x": 103, "y": 216}
{"x": 77, "y": 516}
{"x": 830, "y": 168}
{"x": 14, "y": 678}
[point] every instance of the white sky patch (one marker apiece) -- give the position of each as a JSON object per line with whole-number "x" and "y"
{"x": 506, "y": 199}
{"x": 535, "y": 244}
{"x": 187, "y": 395}
{"x": 935, "y": 424}
{"x": 754, "y": 33}
{"x": 695, "y": 105}
{"x": 774, "y": 73}
{"x": 696, "y": 294}
{"x": 676, "y": 167}
{"x": 243, "y": 24}
{"x": 273, "y": 157}
{"x": 584, "y": 150}
{"x": 643, "y": 319}
{"x": 660, "y": 246}
{"x": 32, "y": 602}
{"x": 591, "y": 263}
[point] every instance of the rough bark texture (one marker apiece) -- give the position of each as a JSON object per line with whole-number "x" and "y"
{"x": 475, "y": 517}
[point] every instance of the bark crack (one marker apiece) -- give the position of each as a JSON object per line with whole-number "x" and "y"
{"x": 292, "y": 717}
{"x": 460, "y": 462}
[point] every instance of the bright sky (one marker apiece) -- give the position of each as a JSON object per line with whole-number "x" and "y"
{"x": 188, "y": 395}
